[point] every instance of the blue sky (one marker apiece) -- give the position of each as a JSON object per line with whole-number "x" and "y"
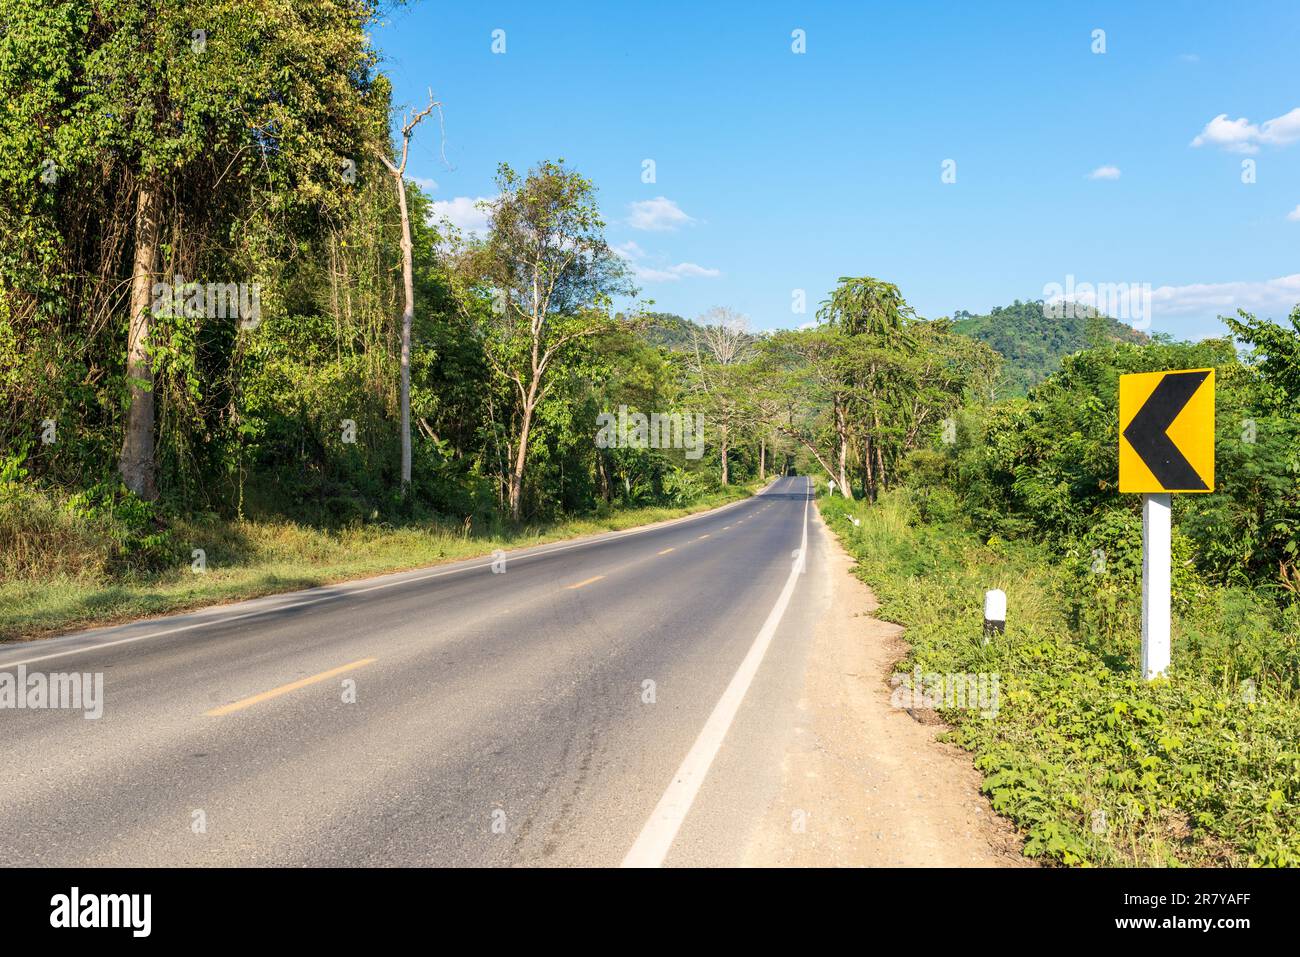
{"x": 777, "y": 171}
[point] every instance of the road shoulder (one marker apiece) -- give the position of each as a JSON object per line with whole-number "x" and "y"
{"x": 863, "y": 783}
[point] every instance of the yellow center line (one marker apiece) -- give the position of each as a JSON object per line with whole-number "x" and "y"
{"x": 594, "y": 578}
{"x": 284, "y": 689}
{"x": 667, "y": 550}
{"x": 705, "y": 535}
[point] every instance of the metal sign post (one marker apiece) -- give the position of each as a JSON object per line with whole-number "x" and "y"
{"x": 1156, "y": 573}
{"x": 1166, "y": 427}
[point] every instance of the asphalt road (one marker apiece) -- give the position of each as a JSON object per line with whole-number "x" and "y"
{"x": 449, "y": 716}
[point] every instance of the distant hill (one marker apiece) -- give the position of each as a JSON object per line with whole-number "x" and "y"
{"x": 675, "y": 334}
{"x": 1033, "y": 344}
{"x": 668, "y": 330}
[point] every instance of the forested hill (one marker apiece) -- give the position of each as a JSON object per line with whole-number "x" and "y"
{"x": 669, "y": 330}
{"x": 1033, "y": 343}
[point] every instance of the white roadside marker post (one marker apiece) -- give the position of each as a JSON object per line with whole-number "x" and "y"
{"x": 995, "y": 613}
{"x": 1156, "y": 575}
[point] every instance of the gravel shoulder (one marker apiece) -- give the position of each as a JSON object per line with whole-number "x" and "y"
{"x": 865, "y": 784}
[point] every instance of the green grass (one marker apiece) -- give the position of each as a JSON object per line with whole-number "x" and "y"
{"x": 57, "y": 576}
{"x": 1094, "y": 764}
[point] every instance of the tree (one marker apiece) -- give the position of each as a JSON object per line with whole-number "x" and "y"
{"x": 162, "y": 146}
{"x": 805, "y": 366}
{"x": 552, "y": 279}
{"x": 873, "y": 315}
{"x": 398, "y": 172}
{"x": 1275, "y": 352}
{"x": 721, "y": 346}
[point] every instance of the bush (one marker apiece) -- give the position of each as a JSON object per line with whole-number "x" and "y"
{"x": 1096, "y": 765}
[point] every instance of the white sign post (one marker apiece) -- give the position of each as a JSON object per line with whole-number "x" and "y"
{"x": 995, "y": 613}
{"x": 1156, "y": 574}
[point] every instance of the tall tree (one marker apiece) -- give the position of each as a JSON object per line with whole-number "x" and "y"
{"x": 170, "y": 133}
{"x": 552, "y": 279}
{"x": 398, "y": 172}
{"x": 806, "y": 366}
{"x": 873, "y": 315}
{"x": 721, "y": 345}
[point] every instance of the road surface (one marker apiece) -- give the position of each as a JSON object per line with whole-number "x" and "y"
{"x": 623, "y": 700}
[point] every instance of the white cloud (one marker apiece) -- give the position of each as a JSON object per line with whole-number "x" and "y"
{"x": 1265, "y": 296}
{"x": 634, "y": 256}
{"x": 1105, "y": 172}
{"x": 1294, "y": 215}
{"x": 643, "y": 273}
{"x": 1138, "y": 303}
{"x": 657, "y": 215}
{"x": 1242, "y": 136}
{"x": 426, "y": 184}
{"x": 462, "y": 212}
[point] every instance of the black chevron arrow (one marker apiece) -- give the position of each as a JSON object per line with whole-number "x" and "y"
{"x": 1147, "y": 432}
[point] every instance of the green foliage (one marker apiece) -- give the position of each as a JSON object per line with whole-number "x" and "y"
{"x": 1095, "y": 765}
{"x": 1199, "y": 768}
{"x": 1034, "y": 343}
{"x": 1275, "y": 352}
{"x": 261, "y": 134}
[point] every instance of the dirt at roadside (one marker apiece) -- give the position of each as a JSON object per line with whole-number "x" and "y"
{"x": 869, "y": 784}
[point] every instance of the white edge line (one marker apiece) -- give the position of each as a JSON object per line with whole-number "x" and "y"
{"x": 608, "y": 537}
{"x": 657, "y": 836}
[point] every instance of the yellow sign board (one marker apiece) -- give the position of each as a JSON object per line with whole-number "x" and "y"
{"x": 1166, "y": 431}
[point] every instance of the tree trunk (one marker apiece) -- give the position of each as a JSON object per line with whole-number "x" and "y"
{"x": 880, "y": 454}
{"x": 842, "y": 428}
{"x": 870, "y": 486}
{"x": 136, "y": 464}
{"x": 604, "y": 477}
{"x": 724, "y": 457}
{"x": 762, "y": 459}
{"x": 521, "y": 457}
{"x": 408, "y": 315}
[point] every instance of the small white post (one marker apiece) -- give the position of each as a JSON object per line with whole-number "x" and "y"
{"x": 1156, "y": 570}
{"x": 995, "y": 613}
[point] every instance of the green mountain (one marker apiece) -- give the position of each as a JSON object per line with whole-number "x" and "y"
{"x": 1033, "y": 344}
{"x": 669, "y": 330}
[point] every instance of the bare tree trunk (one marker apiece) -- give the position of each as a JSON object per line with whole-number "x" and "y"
{"x": 762, "y": 459}
{"x": 408, "y": 314}
{"x": 842, "y": 428}
{"x": 521, "y": 456}
{"x": 870, "y": 486}
{"x": 725, "y": 472}
{"x": 398, "y": 172}
{"x": 880, "y": 454}
{"x": 604, "y": 477}
{"x": 136, "y": 464}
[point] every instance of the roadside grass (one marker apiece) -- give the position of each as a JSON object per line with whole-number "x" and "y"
{"x": 1097, "y": 766}
{"x": 58, "y": 574}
